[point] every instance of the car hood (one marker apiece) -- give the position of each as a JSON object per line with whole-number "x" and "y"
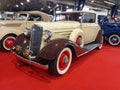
{"x": 59, "y": 25}
{"x": 10, "y": 23}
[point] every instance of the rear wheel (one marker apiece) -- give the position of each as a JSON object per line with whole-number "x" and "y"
{"x": 61, "y": 65}
{"x": 114, "y": 39}
{"x": 8, "y": 42}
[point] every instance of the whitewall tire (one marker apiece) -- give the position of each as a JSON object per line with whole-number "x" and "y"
{"x": 62, "y": 63}
{"x": 8, "y": 42}
{"x": 114, "y": 39}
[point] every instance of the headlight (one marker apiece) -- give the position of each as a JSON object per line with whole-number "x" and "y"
{"x": 27, "y": 32}
{"x": 47, "y": 35}
{"x": 18, "y": 49}
{"x": 26, "y": 53}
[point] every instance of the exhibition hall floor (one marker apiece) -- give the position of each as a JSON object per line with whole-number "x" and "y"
{"x": 97, "y": 70}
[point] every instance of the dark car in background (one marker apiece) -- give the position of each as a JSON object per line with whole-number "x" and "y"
{"x": 111, "y": 28}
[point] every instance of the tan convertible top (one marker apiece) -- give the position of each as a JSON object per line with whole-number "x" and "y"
{"x": 44, "y": 15}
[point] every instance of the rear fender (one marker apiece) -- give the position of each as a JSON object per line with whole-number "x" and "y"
{"x": 99, "y": 38}
{"x": 74, "y": 35}
{"x": 112, "y": 31}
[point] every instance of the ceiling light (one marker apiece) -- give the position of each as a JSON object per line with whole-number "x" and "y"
{"x": 16, "y": 5}
{"x": 57, "y": 5}
{"x": 41, "y": 8}
{"x": 49, "y": 7}
{"x": 22, "y": 3}
{"x": 92, "y": 1}
{"x": 109, "y": 3}
{"x": 67, "y": 7}
{"x": 28, "y": 0}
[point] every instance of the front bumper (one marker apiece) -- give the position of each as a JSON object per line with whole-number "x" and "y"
{"x": 28, "y": 61}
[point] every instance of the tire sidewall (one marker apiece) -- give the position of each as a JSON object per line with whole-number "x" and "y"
{"x": 61, "y": 72}
{"x": 3, "y": 42}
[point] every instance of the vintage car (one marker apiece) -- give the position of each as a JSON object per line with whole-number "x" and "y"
{"x": 55, "y": 43}
{"x": 9, "y": 29}
{"x": 111, "y": 29}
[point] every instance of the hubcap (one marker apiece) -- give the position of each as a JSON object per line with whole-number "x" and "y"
{"x": 114, "y": 39}
{"x": 9, "y": 42}
{"x": 64, "y": 60}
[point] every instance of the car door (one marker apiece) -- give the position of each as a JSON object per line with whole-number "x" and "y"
{"x": 90, "y": 27}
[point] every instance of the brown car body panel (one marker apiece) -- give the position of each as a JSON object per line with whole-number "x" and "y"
{"x": 52, "y": 49}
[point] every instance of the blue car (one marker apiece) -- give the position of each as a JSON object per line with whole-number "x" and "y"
{"x": 111, "y": 28}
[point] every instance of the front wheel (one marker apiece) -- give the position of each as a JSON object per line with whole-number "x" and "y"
{"x": 114, "y": 40}
{"x": 8, "y": 42}
{"x": 61, "y": 65}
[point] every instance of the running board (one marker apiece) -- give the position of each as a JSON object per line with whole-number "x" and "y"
{"x": 89, "y": 47}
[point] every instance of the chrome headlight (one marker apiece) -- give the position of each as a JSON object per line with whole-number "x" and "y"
{"x": 27, "y": 32}
{"x": 26, "y": 52}
{"x": 18, "y": 49}
{"x": 47, "y": 35}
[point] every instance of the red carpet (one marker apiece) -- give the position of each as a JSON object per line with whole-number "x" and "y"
{"x": 97, "y": 70}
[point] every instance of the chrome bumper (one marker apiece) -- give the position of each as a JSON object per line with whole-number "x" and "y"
{"x": 33, "y": 63}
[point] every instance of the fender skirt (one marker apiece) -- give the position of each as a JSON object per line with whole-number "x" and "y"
{"x": 54, "y": 47}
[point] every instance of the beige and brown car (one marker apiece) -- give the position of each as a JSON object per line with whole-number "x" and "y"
{"x": 55, "y": 43}
{"x": 9, "y": 29}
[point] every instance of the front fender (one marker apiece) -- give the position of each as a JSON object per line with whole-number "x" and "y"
{"x": 5, "y": 31}
{"x": 52, "y": 49}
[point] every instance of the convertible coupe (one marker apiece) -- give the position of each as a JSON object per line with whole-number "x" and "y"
{"x": 55, "y": 43}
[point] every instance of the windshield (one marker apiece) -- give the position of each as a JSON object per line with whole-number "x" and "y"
{"x": 77, "y": 16}
{"x": 21, "y": 16}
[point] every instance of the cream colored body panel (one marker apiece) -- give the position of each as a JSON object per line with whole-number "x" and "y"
{"x": 90, "y": 31}
{"x": 64, "y": 29}
{"x": 5, "y": 31}
{"x": 17, "y": 26}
